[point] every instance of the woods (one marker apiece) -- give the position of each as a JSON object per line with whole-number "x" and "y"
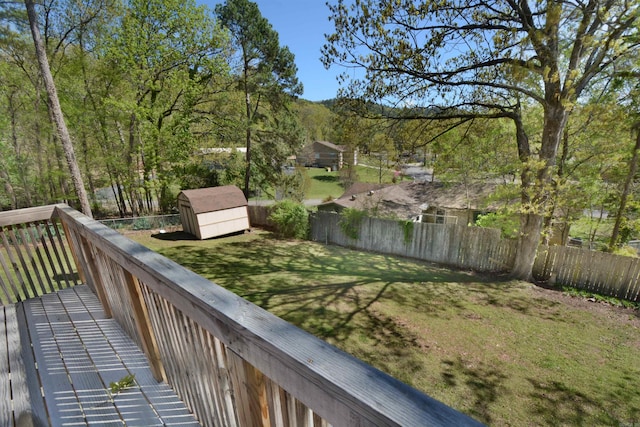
{"x": 144, "y": 87}
{"x": 540, "y": 98}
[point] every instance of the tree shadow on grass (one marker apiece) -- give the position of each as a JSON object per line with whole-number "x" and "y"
{"x": 176, "y": 236}
{"x": 500, "y": 296}
{"x": 557, "y": 404}
{"x": 326, "y": 178}
{"x": 291, "y": 277}
{"x": 331, "y": 294}
{"x": 336, "y": 294}
{"x": 484, "y": 382}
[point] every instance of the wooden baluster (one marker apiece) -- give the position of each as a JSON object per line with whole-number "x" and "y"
{"x": 143, "y": 325}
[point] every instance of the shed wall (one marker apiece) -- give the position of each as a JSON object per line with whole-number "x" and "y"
{"x": 212, "y": 224}
{"x": 187, "y": 216}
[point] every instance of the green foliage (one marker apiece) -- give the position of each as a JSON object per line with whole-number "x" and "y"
{"x": 350, "y": 220}
{"x": 198, "y": 175}
{"x": 233, "y": 170}
{"x": 141, "y": 224}
{"x": 294, "y": 184}
{"x": 407, "y": 230}
{"x": 166, "y": 55}
{"x": 267, "y": 77}
{"x": 122, "y": 384}
{"x": 626, "y": 250}
{"x": 480, "y": 150}
{"x": 318, "y": 121}
{"x": 630, "y": 223}
{"x": 291, "y": 219}
{"x": 167, "y": 197}
{"x": 595, "y": 297}
{"x": 508, "y": 223}
{"x": 348, "y": 176}
{"x": 489, "y": 77}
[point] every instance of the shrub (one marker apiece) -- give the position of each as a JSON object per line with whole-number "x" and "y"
{"x": 350, "y": 220}
{"x": 626, "y": 250}
{"x": 407, "y": 230}
{"x": 142, "y": 223}
{"x": 290, "y": 218}
{"x": 508, "y": 223}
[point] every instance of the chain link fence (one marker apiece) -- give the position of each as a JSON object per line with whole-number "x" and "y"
{"x": 154, "y": 222}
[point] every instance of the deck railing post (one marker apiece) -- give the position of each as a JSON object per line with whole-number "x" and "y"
{"x": 74, "y": 247}
{"x": 143, "y": 325}
{"x": 96, "y": 274}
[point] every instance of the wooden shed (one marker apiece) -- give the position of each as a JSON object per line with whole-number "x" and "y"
{"x": 214, "y": 211}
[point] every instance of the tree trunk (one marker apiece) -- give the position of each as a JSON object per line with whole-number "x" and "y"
{"x": 42, "y": 165}
{"x": 87, "y": 167}
{"x": 247, "y": 171}
{"x": 554, "y": 193}
{"x": 633, "y": 168}
{"x": 61, "y": 127}
{"x": 536, "y": 181}
{"x": 530, "y": 228}
{"x": 8, "y": 188}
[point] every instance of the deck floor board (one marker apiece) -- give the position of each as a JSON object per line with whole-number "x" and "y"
{"x": 78, "y": 353}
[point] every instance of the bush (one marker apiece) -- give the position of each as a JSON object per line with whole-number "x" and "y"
{"x": 141, "y": 223}
{"x": 626, "y": 250}
{"x": 290, "y": 218}
{"x": 407, "y": 230}
{"x": 508, "y": 223}
{"x": 350, "y": 220}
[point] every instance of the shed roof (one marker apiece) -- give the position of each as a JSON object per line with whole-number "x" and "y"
{"x": 214, "y": 198}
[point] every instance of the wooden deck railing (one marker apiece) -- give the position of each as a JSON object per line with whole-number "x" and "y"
{"x": 233, "y": 363}
{"x": 35, "y": 258}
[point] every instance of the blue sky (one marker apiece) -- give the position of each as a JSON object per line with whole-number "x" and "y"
{"x": 301, "y": 25}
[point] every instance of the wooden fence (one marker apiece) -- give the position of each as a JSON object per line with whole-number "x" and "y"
{"x": 483, "y": 250}
{"x": 231, "y": 362}
{"x": 603, "y": 273}
{"x": 459, "y": 246}
{"x": 259, "y": 216}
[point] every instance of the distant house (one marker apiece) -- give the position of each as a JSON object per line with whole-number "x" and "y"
{"x": 220, "y": 150}
{"x": 430, "y": 202}
{"x": 214, "y": 211}
{"x": 445, "y": 203}
{"x": 423, "y": 201}
{"x": 325, "y": 154}
{"x": 377, "y": 199}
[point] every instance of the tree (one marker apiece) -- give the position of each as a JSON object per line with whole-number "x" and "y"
{"x": 627, "y": 88}
{"x": 317, "y": 120}
{"x": 267, "y": 78}
{"x": 56, "y": 110}
{"x": 169, "y": 54}
{"x": 493, "y": 59}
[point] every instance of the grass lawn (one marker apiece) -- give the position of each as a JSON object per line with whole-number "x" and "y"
{"x": 325, "y": 184}
{"x": 505, "y": 352}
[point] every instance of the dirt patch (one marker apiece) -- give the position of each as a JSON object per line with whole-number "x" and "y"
{"x": 624, "y": 315}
